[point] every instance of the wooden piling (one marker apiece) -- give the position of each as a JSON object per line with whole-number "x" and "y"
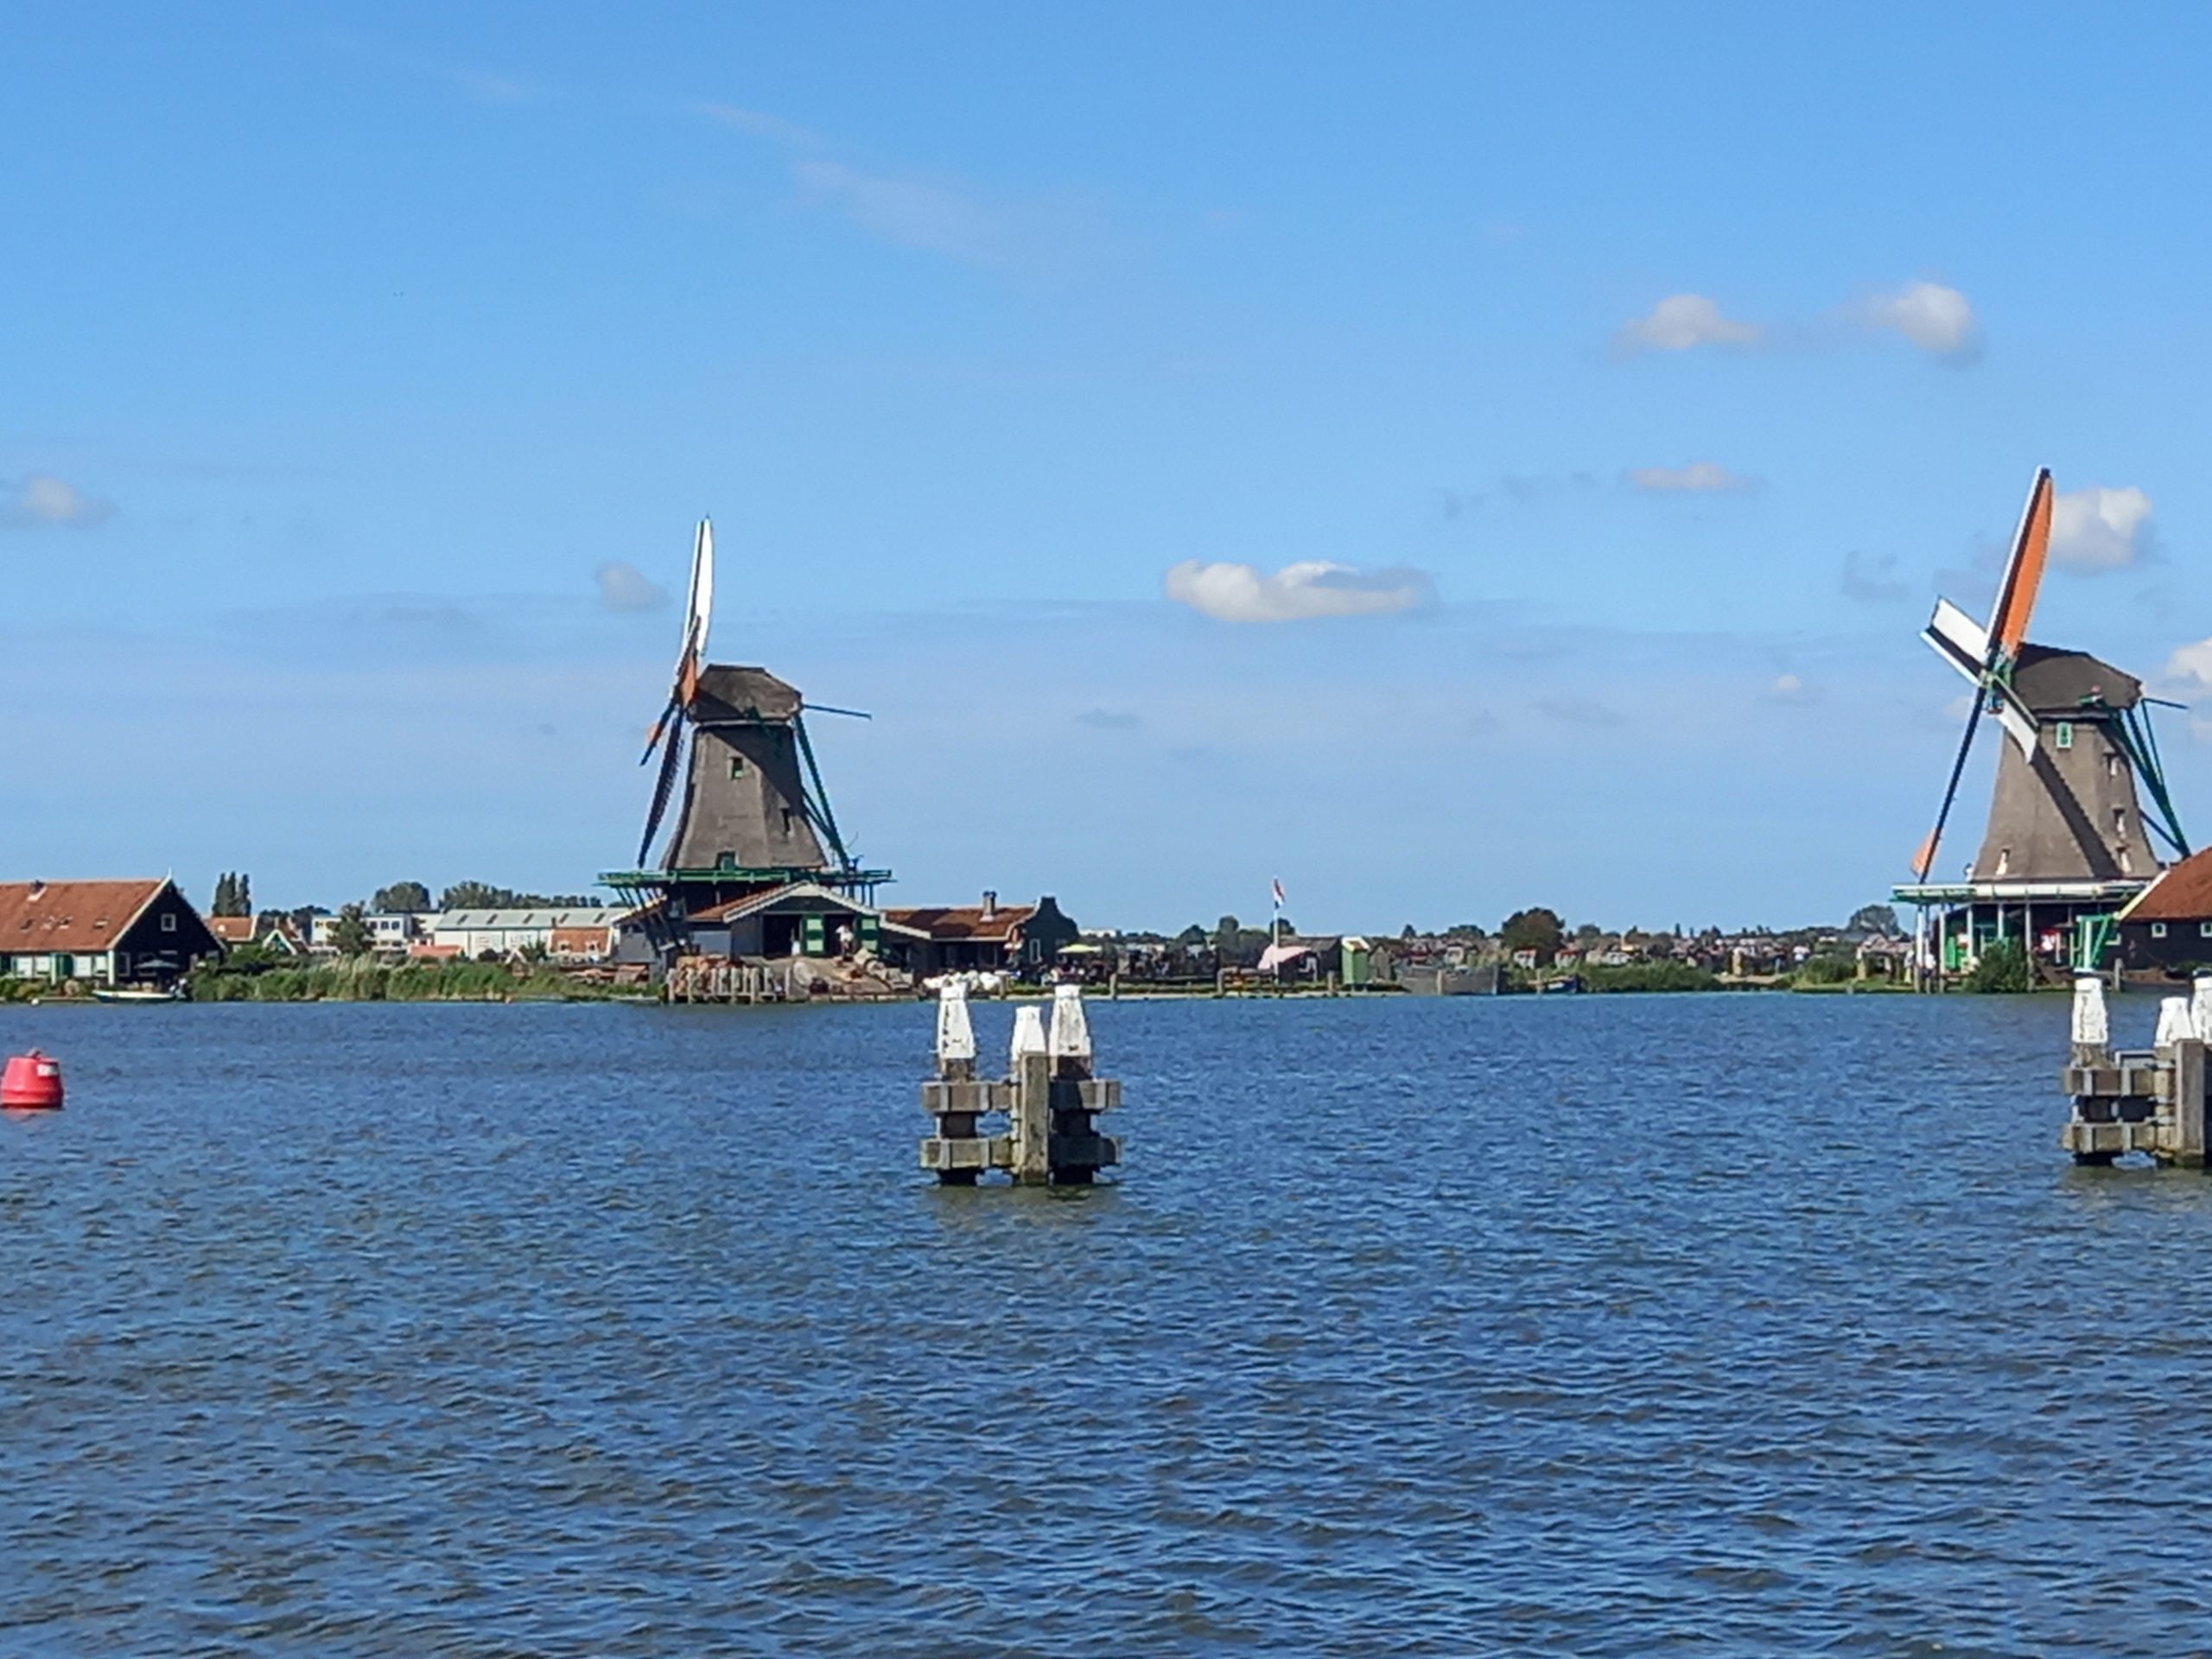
{"x": 2136, "y": 1102}
{"x": 1050, "y": 1098}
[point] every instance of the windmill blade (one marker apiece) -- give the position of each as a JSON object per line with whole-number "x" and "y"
{"x": 660, "y": 729}
{"x": 701, "y": 608}
{"x": 2019, "y": 720}
{"x": 1924, "y": 860}
{"x": 2016, "y": 593}
{"x": 824, "y": 708}
{"x": 1958, "y": 639}
{"x": 663, "y": 786}
{"x": 698, "y": 605}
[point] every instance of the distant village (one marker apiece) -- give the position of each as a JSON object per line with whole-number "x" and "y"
{"x": 88, "y": 936}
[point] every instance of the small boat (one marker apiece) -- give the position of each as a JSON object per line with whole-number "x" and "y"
{"x": 137, "y": 994}
{"x": 1569, "y": 986}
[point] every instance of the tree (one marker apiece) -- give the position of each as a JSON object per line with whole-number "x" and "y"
{"x": 350, "y": 933}
{"x": 1874, "y": 919}
{"x": 402, "y": 896}
{"x": 233, "y": 895}
{"x": 1588, "y": 932}
{"x": 2002, "y": 969}
{"x": 1537, "y": 929}
{"x": 1192, "y": 935}
{"x": 481, "y": 895}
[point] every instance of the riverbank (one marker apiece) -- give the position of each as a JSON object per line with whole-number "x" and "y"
{"x": 365, "y": 980}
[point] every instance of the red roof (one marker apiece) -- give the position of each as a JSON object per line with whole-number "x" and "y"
{"x": 2184, "y": 894}
{"x": 232, "y": 930}
{"x": 70, "y": 916}
{"x": 962, "y": 921}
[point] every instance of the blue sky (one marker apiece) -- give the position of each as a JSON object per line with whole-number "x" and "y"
{"x": 1638, "y": 374}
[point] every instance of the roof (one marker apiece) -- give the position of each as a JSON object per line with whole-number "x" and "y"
{"x": 752, "y": 904}
{"x": 2054, "y": 683}
{"x": 2183, "y": 894}
{"x": 71, "y": 916}
{"x": 727, "y": 692}
{"x": 962, "y": 921}
{"x": 496, "y": 921}
{"x": 232, "y": 930}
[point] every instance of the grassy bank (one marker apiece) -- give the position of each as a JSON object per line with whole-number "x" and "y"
{"x": 366, "y": 980}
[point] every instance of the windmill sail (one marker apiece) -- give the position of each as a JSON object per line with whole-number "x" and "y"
{"x": 2016, "y": 595}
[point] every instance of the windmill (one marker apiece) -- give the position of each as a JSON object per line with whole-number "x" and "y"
{"x": 754, "y": 811}
{"x": 2066, "y": 829}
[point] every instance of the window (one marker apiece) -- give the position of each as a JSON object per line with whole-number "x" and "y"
{"x": 2204, "y": 930}
{"x": 2004, "y": 862}
{"x": 168, "y": 922}
{"x": 2157, "y": 930}
{"x": 737, "y": 765}
{"x": 2111, "y": 763}
{"x": 2064, "y": 740}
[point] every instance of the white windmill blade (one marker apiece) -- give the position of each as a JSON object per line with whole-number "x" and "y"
{"x": 2019, "y": 720}
{"x": 703, "y": 586}
{"x": 1959, "y": 641}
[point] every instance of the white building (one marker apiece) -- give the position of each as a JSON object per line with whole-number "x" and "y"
{"x": 390, "y": 932}
{"x": 473, "y": 933}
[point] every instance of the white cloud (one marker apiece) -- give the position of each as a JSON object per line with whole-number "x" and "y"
{"x": 935, "y": 217}
{"x": 1936, "y": 319}
{"x": 2189, "y": 670}
{"x": 1698, "y": 475}
{"x": 759, "y": 124}
{"x": 2097, "y": 529}
{"x": 1297, "y": 593}
{"x": 1871, "y": 581}
{"x": 625, "y": 588}
{"x": 43, "y": 499}
{"x": 1681, "y": 321}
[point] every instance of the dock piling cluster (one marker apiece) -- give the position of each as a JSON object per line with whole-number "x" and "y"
{"x": 1050, "y": 1099}
{"x": 2135, "y": 1100}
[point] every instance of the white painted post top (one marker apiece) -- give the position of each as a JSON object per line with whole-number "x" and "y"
{"x": 2092, "y": 1027}
{"x": 1028, "y": 1034}
{"x": 2175, "y": 1022}
{"x": 1070, "y": 1029}
{"x": 955, "y": 1033}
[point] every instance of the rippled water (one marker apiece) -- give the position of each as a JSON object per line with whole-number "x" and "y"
{"x": 1600, "y": 1326}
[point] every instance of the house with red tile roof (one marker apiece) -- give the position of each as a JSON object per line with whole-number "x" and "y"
{"x": 2169, "y": 923}
{"x": 988, "y": 937}
{"x": 140, "y": 931}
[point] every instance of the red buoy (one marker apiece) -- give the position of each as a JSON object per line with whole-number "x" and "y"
{"x": 32, "y": 1082}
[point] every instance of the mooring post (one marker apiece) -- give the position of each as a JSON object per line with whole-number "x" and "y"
{"x": 956, "y": 1152}
{"x": 1031, "y": 1066}
{"x": 2091, "y": 1024}
{"x": 1077, "y": 1151}
{"x": 2181, "y": 1054}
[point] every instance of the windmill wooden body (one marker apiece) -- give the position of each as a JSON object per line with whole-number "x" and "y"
{"x": 2068, "y": 841}
{"x": 755, "y": 864}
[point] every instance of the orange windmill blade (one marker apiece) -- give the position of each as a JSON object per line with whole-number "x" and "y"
{"x": 2016, "y": 595}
